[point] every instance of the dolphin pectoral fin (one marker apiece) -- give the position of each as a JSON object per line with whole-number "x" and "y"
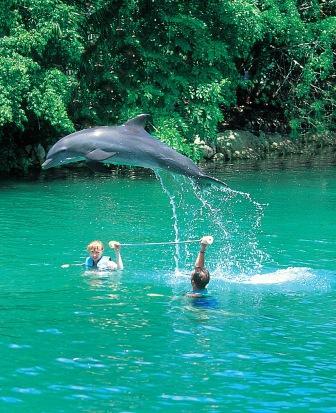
{"x": 98, "y": 167}
{"x": 99, "y": 155}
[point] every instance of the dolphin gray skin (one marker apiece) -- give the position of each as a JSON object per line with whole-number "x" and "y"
{"x": 128, "y": 144}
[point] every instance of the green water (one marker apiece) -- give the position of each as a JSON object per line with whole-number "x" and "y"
{"x": 263, "y": 341}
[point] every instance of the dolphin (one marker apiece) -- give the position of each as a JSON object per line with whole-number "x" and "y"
{"x": 127, "y": 144}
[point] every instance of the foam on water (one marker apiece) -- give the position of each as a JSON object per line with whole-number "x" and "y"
{"x": 285, "y": 280}
{"x": 286, "y": 275}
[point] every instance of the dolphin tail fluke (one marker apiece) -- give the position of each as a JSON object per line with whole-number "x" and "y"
{"x": 206, "y": 179}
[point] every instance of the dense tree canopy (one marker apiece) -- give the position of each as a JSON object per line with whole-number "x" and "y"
{"x": 65, "y": 65}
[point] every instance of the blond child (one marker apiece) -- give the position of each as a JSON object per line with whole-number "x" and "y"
{"x": 98, "y": 261}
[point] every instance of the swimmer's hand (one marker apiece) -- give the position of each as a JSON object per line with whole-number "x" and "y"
{"x": 115, "y": 245}
{"x": 207, "y": 240}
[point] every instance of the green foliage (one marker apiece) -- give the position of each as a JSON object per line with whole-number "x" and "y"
{"x": 164, "y": 58}
{"x": 171, "y": 129}
{"x": 68, "y": 65}
{"x": 39, "y": 48}
{"x": 293, "y": 65}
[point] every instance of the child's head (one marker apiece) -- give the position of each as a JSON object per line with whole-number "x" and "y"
{"x": 95, "y": 249}
{"x": 200, "y": 278}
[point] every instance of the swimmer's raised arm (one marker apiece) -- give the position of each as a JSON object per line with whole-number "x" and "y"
{"x": 205, "y": 241}
{"x": 115, "y": 245}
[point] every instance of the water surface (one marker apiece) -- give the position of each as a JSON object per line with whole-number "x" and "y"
{"x": 264, "y": 339}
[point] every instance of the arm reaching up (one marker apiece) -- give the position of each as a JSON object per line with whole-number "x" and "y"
{"x": 200, "y": 277}
{"x": 116, "y": 246}
{"x": 200, "y": 260}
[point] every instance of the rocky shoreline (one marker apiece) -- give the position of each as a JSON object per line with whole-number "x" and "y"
{"x": 241, "y": 144}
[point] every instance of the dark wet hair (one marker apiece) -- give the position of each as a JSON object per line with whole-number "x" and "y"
{"x": 200, "y": 277}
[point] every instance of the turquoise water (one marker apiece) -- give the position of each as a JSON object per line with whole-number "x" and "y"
{"x": 263, "y": 341}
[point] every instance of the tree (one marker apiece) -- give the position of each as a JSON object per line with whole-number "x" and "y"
{"x": 67, "y": 65}
{"x": 165, "y": 58}
{"x": 39, "y": 54}
{"x": 293, "y": 65}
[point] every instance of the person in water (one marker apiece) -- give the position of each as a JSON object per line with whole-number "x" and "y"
{"x": 200, "y": 276}
{"x": 98, "y": 261}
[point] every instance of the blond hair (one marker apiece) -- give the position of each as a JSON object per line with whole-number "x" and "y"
{"x": 95, "y": 245}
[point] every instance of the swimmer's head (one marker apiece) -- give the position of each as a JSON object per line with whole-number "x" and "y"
{"x": 95, "y": 249}
{"x": 200, "y": 278}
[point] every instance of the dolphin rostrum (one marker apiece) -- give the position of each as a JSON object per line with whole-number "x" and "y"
{"x": 128, "y": 144}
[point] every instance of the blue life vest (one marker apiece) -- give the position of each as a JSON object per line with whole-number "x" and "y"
{"x": 202, "y": 299}
{"x": 102, "y": 264}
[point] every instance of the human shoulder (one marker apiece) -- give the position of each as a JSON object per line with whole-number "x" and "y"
{"x": 197, "y": 293}
{"x": 89, "y": 262}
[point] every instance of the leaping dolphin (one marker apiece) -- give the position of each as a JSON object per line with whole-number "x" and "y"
{"x": 128, "y": 144}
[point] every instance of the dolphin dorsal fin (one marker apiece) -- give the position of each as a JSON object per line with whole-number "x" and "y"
{"x": 139, "y": 122}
